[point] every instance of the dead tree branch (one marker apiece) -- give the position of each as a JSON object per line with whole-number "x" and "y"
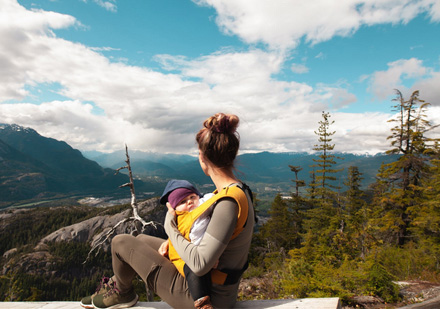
{"x": 133, "y": 219}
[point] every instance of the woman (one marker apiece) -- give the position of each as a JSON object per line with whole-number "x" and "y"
{"x": 227, "y": 238}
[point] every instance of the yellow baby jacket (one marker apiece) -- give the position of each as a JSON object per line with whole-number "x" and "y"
{"x": 185, "y": 220}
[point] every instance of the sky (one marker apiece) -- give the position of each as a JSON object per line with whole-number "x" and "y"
{"x": 100, "y": 74}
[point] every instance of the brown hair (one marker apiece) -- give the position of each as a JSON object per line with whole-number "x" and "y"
{"x": 219, "y": 140}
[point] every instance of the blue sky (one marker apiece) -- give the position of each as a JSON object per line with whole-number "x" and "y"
{"x": 99, "y": 74}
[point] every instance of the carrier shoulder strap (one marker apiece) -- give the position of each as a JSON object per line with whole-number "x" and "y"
{"x": 234, "y": 192}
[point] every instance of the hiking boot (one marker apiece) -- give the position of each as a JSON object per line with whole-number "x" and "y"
{"x": 114, "y": 299}
{"x": 203, "y": 303}
{"x": 102, "y": 288}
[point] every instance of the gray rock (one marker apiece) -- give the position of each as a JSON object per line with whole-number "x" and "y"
{"x": 92, "y": 229}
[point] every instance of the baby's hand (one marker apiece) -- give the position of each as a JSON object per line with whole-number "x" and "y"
{"x": 163, "y": 249}
{"x": 171, "y": 209}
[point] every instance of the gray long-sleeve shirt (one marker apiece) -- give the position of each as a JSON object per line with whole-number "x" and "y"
{"x": 216, "y": 245}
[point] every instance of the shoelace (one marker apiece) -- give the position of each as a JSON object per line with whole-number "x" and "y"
{"x": 113, "y": 290}
{"x": 104, "y": 282}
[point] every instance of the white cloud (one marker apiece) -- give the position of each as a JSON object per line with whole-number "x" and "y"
{"x": 384, "y": 82}
{"x": 299, "y": 68}
{"x": 320, "y": 55}
{"x": 429, "y": 89}
{"x": 282, "y": 23}
{"x": 153, "y": 111}
{"x": 108, "y": 5}
{"x": 338, "y": 97}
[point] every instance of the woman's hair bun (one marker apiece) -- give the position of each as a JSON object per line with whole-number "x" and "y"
{"x": 219, "y": 140}
{"x": 222, "y": 123}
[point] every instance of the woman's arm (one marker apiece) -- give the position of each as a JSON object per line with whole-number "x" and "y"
{"x": 202, "y": 258}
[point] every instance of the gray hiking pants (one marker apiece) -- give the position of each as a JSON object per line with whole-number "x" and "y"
{"x": 138, "y": 255}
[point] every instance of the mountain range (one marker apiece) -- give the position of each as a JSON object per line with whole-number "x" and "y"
{"x": 263, "y": 169}
{"x": 34, "y": 167}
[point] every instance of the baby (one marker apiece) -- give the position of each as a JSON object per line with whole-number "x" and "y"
{"x": 182, "y": 196}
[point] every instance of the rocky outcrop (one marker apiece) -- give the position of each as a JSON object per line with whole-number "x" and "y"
{"x": 90, "y": 230}
{"x": 87, "y": 231}
{"x": 34, "y": 263}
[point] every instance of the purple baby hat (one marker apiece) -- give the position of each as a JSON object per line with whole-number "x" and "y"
{"x": 177, "y": 195}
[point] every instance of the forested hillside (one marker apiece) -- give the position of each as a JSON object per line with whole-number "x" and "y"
{"x": 340, "y": 240}
{"x": 45, "y": 250}
{"x": 36, "y": 167}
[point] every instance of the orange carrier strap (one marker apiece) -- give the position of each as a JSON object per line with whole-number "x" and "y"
{"x": 185, "y": 220}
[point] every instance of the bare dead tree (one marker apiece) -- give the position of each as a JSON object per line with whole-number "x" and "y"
{"x": 135, "y": 218}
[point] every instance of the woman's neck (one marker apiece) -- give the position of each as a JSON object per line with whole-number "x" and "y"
{"x": 222, "y": 178}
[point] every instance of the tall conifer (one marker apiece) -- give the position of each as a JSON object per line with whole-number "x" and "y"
{"x": 326, "y": 160}
{"x": 399, "y": 182}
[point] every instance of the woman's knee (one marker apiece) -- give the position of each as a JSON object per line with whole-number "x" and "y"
{"x": 121, "y": 240}
{"x": 151, "y": 241}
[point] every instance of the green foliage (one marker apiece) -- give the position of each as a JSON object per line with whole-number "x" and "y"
{"x": 280, "y": 231}
{"x": 301, "y": 279}
{"x": 399, "y": 187}
{"x": 72, "y": 283}
{"x": 356, "y": 243}
{"x": 28, "y": 227}
{"x": 325, "y": 172}
{"x": 380, "y": 283}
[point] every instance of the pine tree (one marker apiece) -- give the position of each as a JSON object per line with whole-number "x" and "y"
{"x": 323, "y": 224}
{"x": 298, "y": 182}
{"x": 278, "y": 231}
{"x": 356, "y": 215}
{"x": 297, "y": 207}
{"x": 399, "y": 182}
{"x": 312, "y": 189}
{"x": 354, "y": 194}
{"x": 326, "y": 160}
{"x": 426, "y": 223}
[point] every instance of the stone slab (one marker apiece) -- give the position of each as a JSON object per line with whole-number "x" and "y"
{"x": 433, "y": 303}
{"x": 301, "y": 303}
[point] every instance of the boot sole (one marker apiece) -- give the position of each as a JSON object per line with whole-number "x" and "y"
{"x": 120, "y": 306}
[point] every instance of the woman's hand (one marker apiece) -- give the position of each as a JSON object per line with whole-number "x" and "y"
{"x": 163, "y": 249}
{"x": 171, "y": 209}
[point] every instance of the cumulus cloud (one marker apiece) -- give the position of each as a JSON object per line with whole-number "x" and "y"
{"x": 299, "y": 68}
{"x": 429, "y": 88}
{"x": 281, "y": 24}
{"x": 338, "y": 97}
{"x": 382, "y": 83}
{"x": 157, "y": 111}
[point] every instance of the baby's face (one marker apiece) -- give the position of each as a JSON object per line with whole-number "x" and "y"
{"x": 188, "y": 203}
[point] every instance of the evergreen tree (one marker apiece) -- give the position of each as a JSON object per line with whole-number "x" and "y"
{"x": 298, "y": 206}
{"x": 325, "y": 161}
{"x": 354, "y": 194}
{"x": 426, "y": 222}
{"x": 312, "y": 189}
{"x": 278, "y": 231}
{"x": 323, "y": 224}
{"x": 356, "y": 215}
{"x": 398, "y": 189}
{"x": 298, "y": 182}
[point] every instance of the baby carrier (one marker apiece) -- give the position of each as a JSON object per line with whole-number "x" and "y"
{"x": 187, "y": 219}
